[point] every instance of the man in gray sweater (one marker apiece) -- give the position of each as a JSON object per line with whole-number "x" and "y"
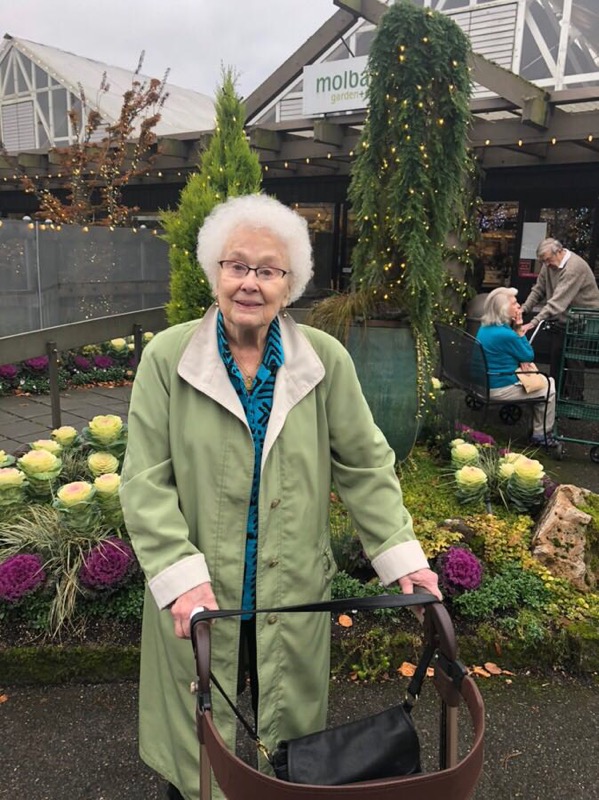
{"x": 565, "y": 281}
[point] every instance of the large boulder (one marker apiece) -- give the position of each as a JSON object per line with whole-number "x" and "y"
{"x": 561, "y": 541}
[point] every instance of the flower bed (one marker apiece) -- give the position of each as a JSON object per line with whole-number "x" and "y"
{"x": 64, "y": 551}
{"x": 109, "y": 362}
{"x": 68, "y": 571}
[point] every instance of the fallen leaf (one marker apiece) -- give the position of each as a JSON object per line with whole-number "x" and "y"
{"x": 3, "y": 698}
{"x": 345, "y": 621}
{"x": 406, "y": 669}
{"x": 493, "y": 668}
{"x": 430, "y": 672}
{"x": 482, "y": 673}
{"x": 507, "y": 672}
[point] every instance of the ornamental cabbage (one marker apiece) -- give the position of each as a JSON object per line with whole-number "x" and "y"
{"x": 106, "y": 428}
{"x": 20, "y": 575}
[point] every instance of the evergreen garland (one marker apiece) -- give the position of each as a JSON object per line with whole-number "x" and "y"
{"x": 408, "y": 179}
{"x": 228, "y": 168}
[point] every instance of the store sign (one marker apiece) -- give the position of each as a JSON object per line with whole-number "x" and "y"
{"x": 335, "y": 86}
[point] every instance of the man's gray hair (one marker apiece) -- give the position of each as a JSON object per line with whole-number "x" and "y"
{"x": 549, "y": 245}
{"x": 496, "y": 310}
{"x": 257, "y": 211}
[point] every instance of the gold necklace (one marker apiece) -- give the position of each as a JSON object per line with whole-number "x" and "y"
{"x": 248, "y": 375}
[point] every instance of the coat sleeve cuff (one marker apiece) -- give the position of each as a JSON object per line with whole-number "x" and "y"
{"x": 399, "y": 560}
{"x": 179, "y": 578}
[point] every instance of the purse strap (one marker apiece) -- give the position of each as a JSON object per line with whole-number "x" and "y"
{"x": 199, "y": 614}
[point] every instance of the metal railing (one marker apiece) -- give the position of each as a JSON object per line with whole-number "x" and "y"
{"x": 52, "y": 341}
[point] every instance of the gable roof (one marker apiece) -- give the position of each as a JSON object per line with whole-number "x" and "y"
{"x": 184, "y": 110}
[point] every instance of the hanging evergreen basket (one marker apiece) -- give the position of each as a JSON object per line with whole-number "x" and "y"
{"x": 408, "y": 180}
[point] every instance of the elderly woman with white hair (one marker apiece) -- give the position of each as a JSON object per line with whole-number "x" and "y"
{"x": 238, "y": 425}
{"x": 503, "y": 340}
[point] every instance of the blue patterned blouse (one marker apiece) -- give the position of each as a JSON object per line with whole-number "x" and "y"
{"x": 257, "y": 404}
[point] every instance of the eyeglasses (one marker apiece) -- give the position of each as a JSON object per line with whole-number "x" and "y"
{"x": 237, "y": 269}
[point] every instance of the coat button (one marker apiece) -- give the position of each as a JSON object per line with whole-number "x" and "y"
{"x": 274, "y": 563}
{"x": 275, "y": 503}
{"x": 272, "y": 619}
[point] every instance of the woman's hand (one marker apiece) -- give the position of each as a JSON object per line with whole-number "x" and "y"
{"x": 424, "y": 579}
{"x": 201, "y": 595}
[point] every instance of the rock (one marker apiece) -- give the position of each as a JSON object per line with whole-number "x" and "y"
{"x": 560, "y": 539}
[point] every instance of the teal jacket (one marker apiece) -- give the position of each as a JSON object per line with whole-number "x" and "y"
{"x": 505, "y": 351}
{"x": 185, "y": 490}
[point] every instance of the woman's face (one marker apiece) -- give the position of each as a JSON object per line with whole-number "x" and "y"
{"x": 247, "y": 303}
{"x": 514, "y": 310}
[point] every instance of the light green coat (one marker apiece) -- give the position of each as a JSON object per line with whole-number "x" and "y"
{"x": 185, "y": 492}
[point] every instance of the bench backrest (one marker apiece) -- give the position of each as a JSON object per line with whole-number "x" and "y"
{"x": 463, "y": 360}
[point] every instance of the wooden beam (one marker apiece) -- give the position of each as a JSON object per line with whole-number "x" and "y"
{"x": 328, "y": 133}
{"x": 313, "y": 48}
{"x": 33, "y": 160}
{"x": 172, "y": 147}
{"x": 370, "y": 10}
{"x": 261, "y": 139}
{"x": 533, "y": 100}
{"x": 516, "y": 90}
{"x": 564, "y": 128}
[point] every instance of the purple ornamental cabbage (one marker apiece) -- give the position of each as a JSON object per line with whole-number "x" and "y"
{"x": 459, "y": 570}
{"x": 82, "y": 363}
{"x": 107, "y": 564}
{"x": 549, "y": 485}
{"x": 103, "y": 362}
{"x": 39, "y": 364}
{"x": 476, "y": 437}
{"x": 20, "y": 575}
{"x": 8, "y": 372}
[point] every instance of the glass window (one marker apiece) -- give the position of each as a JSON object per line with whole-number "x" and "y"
{"x": 44, "y": 104}
{"x": 4, "y": 67}
{"x": 572, "y": 226}
{"x": 339, "y": 53}
{"x": 59, "y": 112}
{"x": 496, "y": 252}
{"x": 41, "y": 78}
{"x": 21, "y": 83}
{"x": 320, "y": 219}
{"x": 363, "y": 42}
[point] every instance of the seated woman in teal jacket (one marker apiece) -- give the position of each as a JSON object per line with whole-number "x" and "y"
{"x": 506, "y": 347}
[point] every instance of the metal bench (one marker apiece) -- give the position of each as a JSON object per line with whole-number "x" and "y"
{"x": 463, "y": 365}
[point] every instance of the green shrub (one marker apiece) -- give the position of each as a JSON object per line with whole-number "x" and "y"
{"x": 510, "y": 589}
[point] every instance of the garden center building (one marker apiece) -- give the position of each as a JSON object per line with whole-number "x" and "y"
{"x": 535, "y": 129}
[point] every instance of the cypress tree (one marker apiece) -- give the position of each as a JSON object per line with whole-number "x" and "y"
{"x": 227, "y": 168}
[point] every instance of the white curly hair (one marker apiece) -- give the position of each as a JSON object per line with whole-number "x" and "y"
{"x": 257, "y": 211}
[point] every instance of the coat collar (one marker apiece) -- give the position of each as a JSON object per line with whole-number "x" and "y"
{"x": 202, "y": 367}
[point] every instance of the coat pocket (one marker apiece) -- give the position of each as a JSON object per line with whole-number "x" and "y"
{"x": 329, "y": 566}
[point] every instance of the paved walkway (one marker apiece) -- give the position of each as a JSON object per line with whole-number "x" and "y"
{"x": 80, "y": 742}
{"x": 25, "y": 419}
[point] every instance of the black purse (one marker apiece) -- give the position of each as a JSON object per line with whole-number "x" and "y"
{"x": 383, "y": 745}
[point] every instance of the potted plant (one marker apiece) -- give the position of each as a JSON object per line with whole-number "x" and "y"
{"x": 408, "y": 184}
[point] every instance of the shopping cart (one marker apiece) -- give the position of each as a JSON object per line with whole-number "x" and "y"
{"x": 578, "y": 381}
{"x": 456, "y": 778}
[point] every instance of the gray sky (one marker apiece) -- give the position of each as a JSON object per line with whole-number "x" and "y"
{"x": 192, "y": 37}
